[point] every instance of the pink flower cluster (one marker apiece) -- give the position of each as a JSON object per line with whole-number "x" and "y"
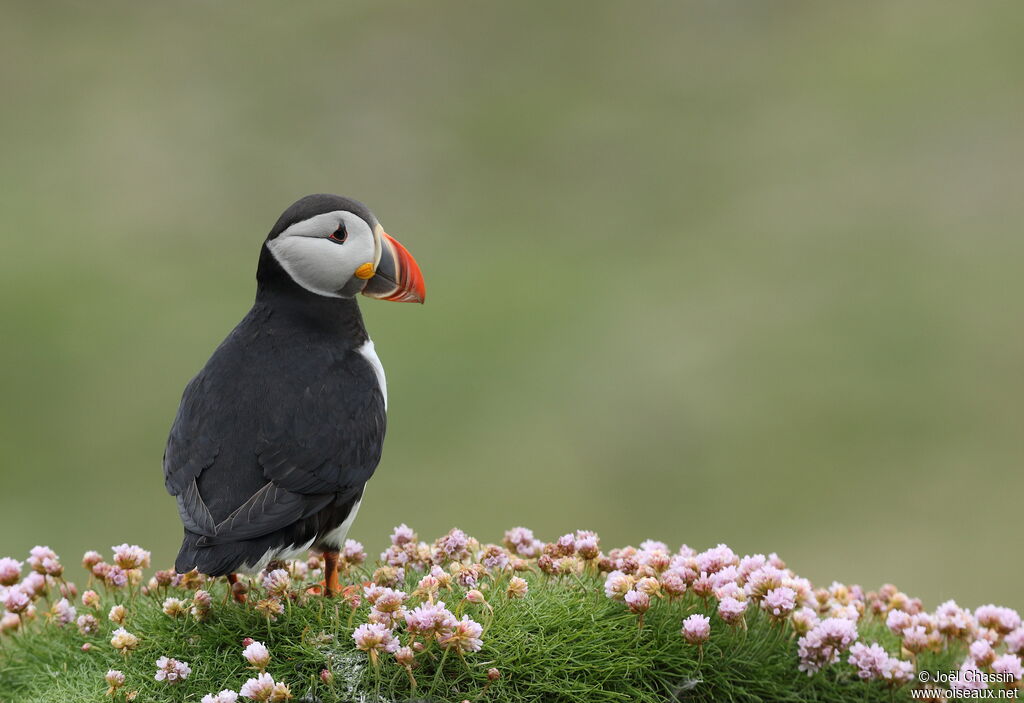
{"x": 402, "y": 611}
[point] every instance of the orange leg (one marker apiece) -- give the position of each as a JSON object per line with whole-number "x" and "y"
{"x": 238, "y": 588}
{"x": 331, "y": 584}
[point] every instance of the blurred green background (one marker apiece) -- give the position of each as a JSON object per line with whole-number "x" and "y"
{"x": 716, "y": 271}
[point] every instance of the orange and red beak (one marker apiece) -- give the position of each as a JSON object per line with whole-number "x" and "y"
{"x": 397, "y": 276}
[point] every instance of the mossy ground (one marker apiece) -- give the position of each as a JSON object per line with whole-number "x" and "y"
{"x": 564, "y": 643}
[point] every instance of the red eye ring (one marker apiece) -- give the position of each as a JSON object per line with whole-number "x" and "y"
{"x": 340, "y": 235}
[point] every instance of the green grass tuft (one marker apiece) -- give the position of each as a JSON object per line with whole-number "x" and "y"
{"x": 564, "y": 643}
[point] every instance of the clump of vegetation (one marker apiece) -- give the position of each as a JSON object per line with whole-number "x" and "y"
{"x": 457, "y": 620}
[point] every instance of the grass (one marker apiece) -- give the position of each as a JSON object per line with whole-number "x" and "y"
{"x": 565, "y": 642}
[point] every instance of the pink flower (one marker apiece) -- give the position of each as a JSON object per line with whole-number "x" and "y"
{"x": 353, "y": 552}
{"x": 38, "y": 558}
{"x": 171, "y": 671}
{"x": 981, "y": 652}
{"x": 716, "y": 559}
{"x": 131, "y": 557}
{"x": 897, "y": 621}
{"x": 969, "y": 678}
{"x": 388, "y": 600}
{"x": 405, "y": 656}
{"x": 10, "y": 571}
{"x": 897, "y": 672}
{"x": 731, "y": 610}
{"x": 915, "y": 639}
{"x": 1002, "y": 620}
{"x": 824, "y": 643}
{"x": 804, "y": 620}
{"x": 403, "y": 534}
{"x": 116, "y": 576}
{"x": 465, "y": 636}
{"x": 617, "y": 585}
{"x": 1009, "y": 664}
{"x": 696, "y": 628}
{"x": 703, "y": 585}
{"x": 277, "y": 582}
{"x": 17, "y": 601}
{"x": 91, "y": 599}
{"x": 34, "y": 585}
{"x": 868, "y": 660}
{"x": 779, "y": 602}
{"x": 91, "y": 559}
{"x": 1015, "y": 641}
{"x": 673, "y": 582}
{"x": 429, "y": 619}
{"x": 9, "y": 622}
{"x": 88, "y": 625}
{"x": 653, "y": 545}
{"x": 762, "y": 580}
{"x": 63, "y": 613}
{"x": 588, "y": 544}
{"x": 374, "y": 636}
{"x": 638, "y": 601}
{"x": 750, "y": 564}
{"x": 257, "y": 655}
{"x": 114, "y": 679}
{"x": 260, "y": 688}
{"x": 495, "y": 558}
{"x": 225, "y": 696}
{"x": 454, "y": 544}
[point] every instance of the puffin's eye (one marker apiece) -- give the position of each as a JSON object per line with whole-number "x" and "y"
{"x": 340, "y": 235}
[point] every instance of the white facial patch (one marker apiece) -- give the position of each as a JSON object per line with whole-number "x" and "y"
{"x": 317, "y": 263}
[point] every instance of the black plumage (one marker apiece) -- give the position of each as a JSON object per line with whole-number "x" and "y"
{"x": 277, "y": 435}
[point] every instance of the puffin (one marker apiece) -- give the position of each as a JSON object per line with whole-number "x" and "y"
{"x": 277, "y": 435}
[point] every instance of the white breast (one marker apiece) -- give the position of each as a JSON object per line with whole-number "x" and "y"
{"x": 371, "y": 356}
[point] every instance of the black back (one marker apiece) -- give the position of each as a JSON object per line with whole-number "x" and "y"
{"x": 276, "y": 436}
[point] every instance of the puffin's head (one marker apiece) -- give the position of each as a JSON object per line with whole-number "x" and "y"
{"x": 335, "y": 247}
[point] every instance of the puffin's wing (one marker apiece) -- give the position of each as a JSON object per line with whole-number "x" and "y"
{"x": 331, "y": 440}
{"x": 189, "y": 451}
{"x": 314, "y": 440}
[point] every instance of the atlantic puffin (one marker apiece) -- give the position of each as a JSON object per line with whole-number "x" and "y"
{"x": 277, "y": 435}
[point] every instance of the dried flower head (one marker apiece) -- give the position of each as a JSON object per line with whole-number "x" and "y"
{"x": 124, "y": 641}
{"x": 118, "y": 614}
{"x": 131, "y": 557}
{"x": 517, "y": 587}
{"x": 175, "y": 607}
{"x": 374, "y": 637}
{"x": 270, "y": 608}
